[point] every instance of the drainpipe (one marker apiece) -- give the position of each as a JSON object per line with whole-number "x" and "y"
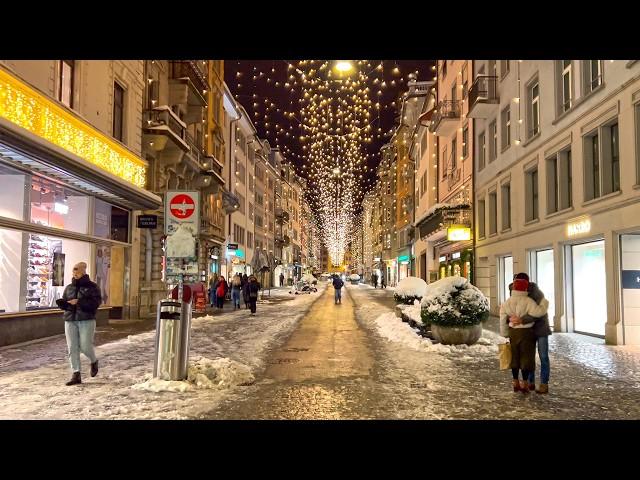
{"x": 231, "y": 125}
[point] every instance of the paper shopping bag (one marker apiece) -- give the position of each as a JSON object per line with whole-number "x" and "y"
{"x": 504, "y": 352}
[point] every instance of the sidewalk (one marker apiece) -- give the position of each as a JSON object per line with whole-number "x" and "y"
{"x": 32, "y": 376}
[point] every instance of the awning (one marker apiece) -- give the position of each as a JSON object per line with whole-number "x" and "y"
{"x": 34, "y": 154}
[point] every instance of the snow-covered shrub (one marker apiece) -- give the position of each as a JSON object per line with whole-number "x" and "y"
{"x": 454, "y": 302}
{"x": 410, "y": 289}
{"x": 354, "y": 276}
{"x": 307, "y": 277}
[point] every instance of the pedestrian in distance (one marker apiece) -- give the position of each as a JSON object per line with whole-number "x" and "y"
{"x": 213, "y": 286}
{"x": 80, "y": 302}
{"x": 383, "y": 283}
{"x": 541, "y": 330}
{"x": 337, "y": 285}
{"x": 253, "y": 290}
{"x": 282, "y": 279}
{"x": 221, "y": 291}
{"x": 236, "y": 288}
{"x": 521, "y": 336}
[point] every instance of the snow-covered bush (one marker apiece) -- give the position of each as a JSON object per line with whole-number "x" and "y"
{"x": 454, "y": 302}
{"x": 354, "y": 276}
{"x": 410, "y": 289}
{"x": 307, "y": 277}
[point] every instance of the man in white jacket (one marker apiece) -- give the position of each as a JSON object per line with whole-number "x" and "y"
{"x": 521, "y": 336}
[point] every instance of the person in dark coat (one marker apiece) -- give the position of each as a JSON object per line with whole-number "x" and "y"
{"x": 253, "y": 288}
{"x": 80, "y": 302}
{"x": 541, "y": 330}
{"x": 213, "y": 286}
{"x": 221, "y": 291}
{"x": 337, "y": 285}
{"x": 245, "y": 291}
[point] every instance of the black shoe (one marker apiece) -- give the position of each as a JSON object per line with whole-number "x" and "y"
{"x": 75, "y": 379}
{"x": 94, "y": 368}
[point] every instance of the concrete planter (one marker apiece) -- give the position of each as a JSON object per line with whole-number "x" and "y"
{"x": 457, "y": 335}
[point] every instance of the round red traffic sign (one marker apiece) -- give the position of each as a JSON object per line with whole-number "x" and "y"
{"x": 182, "y": 206}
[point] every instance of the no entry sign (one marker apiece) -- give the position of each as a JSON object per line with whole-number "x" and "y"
{"x": 182, "y": 209}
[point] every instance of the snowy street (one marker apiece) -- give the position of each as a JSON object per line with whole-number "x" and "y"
{"x": 303, "y": 357}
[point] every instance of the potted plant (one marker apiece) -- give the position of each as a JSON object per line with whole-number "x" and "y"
{"x": 455, "y": 309}
{"x": 410, "y": 289}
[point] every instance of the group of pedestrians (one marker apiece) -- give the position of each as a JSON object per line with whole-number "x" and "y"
{"x": 374, "y": 281}
{"x": 238, "y": 285}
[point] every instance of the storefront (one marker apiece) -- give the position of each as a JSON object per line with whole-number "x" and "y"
{"x": 457, "y": 263}
{"x": 64, "y": 199}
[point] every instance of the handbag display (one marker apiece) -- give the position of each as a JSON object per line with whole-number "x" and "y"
{"x": 504, "y": 354}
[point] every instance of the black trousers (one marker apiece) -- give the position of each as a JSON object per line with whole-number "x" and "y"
{"x": 220, "y": 302}
{"x": 252, "y": 304}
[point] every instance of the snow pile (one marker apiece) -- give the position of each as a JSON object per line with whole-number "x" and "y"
{"x": 355, "y": 277}
{"x": 414, "y": 312}
{"x": 395, "y": 330}
{"x": 157, "y": 385}
{"x": 307, "y": 277}
{"x": 453, "y": 301}
{"x": 203, "y": 374}
{"x": 219, "y": 373}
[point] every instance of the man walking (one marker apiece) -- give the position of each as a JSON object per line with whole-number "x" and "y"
{"x": 337, "y": 285}
{"x": 253, "y": 289}
{"x": 80, "y": 302}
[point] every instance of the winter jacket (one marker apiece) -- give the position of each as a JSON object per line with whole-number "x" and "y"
{"x": 236, "y": 284}
{"x": 253, "y": 288}
{"x": 221, "y": 289}
{"x": 541, "y": 326}
{"x": 338, "y": 283}
{"x": 89, "y": 299}
{"x": 519, "y": 305}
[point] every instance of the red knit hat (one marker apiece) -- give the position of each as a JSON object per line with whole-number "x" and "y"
{"x": 521, "y": 285}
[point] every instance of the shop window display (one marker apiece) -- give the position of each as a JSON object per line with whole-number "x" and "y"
{"x": 53, "y": 205}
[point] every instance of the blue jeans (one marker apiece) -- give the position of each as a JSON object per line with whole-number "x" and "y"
{"x": 545, "y": 365}
{"x": 338, "y": 295}
{"x": 80, "y": 339}
{"x": 235, "y": 296}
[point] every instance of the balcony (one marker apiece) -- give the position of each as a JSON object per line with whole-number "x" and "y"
{"x": 209, "y": 229}
{"x": 446, "y": 118}
{"x": 483, "y": 95}
{"x": 282, "y": 216}
{"x": 188, "y": 87}
{"x": 163, "y": 131}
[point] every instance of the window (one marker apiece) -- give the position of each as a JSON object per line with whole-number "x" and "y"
{"x": 465, "y": 141}
{"x": 493, "y": 146}
{"x": 482, "y": 150}
{"x": 259, "y": 221}
{"x": 249, "y": 239}
{"x": 238, "y": 234}
{"x": 241, "y": 202}
{"x": 592, "y": 75}
{"x": 454, "y": 92}
{"x": 481, "y": 223}
{"x": 531, "y": 195}
{"x": 506, "y": 128}
{"x": 454, "y": 153}
{"x": 559, "y": 183}
{"x": 65, "y": 92}
{"x": 504, "y": 68}
{"x": 615, "y": 158}
{"x": 493, "y": 213}
{"x": 259, "y": 199}
{"x": 637, "y": 118}
{"x": 444, "y": 68}
{"x": 251, "y": 211}
{"x": 566, "y": 85}
{"x": 533, "y": 107}
{"x": 505, "y": 196}
{"x": 118, "y": 112}
{"x": 388, "y": 188}
{"x": 444, "y": 163}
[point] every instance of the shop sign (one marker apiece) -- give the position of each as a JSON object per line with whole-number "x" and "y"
{"x": 232, "y": 246}
{"x": 376, "y": 259}
{"x": 579, "y": 227}
{"x": 443, "y": 259}
{"x": 147, "y": 221}
{"x": 239, "y": 253}
{"x": 631, "y": 279}
{"x": 182, "y": 210}
{"x": 403, "y": 258}
{"x": 455, "y": 255}
{"x": 458, "y": 233}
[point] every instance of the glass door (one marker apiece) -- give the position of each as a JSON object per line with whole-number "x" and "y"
{"x": 506, "y": 277}
{"x": 543, "y": 275}
{"x": 589, "y": 288}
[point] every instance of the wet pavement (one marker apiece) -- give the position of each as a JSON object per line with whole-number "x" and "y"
{"x": 337, "y": 366}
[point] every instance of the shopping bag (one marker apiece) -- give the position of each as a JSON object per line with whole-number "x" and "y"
{"x": 504, "y": 353}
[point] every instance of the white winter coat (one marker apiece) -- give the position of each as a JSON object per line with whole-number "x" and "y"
{"x": 519, "y": 305}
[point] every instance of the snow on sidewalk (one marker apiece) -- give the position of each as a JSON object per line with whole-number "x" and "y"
{"x": 226, "y": 351}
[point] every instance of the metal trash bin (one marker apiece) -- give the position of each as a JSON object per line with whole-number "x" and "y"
{"x": 173, "y": 331}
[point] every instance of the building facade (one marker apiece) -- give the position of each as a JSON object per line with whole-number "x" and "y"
{"x": 72, "y": 181}
{"x": 557, "y": 190}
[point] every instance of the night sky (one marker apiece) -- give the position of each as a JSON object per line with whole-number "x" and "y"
{"x": 269, "y": 97}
